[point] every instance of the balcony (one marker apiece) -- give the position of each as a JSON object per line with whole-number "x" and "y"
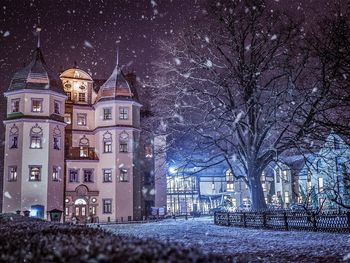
{"x": 81, "y": 153}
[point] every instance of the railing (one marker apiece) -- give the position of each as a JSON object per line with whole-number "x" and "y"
{"x": 76, "y": 153}
{"x": 287, "y": 220}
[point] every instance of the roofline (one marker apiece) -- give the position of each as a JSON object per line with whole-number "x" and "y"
{"x": 14, "y": 92}
{"x": 43, "y": 120}
{"x": 117, "y": 101}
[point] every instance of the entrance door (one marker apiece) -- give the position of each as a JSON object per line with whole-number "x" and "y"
{"x": 80, "y": 209}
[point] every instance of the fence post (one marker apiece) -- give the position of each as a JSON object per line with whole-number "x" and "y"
{"x": 264, "y": 219}
{"x": 215, "y": 222}
{"x": 348, "y": 217}
{"x": 314, "y": 223}
{"x": 244, "y": 219}
{"x": 228, "y": 218}
{"x": 285, "y": 218}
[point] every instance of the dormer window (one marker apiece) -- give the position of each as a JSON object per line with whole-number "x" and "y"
{"x": 57, "y": 107}
{"x": 15, "y": 105}
{"x": 37, "y": 105}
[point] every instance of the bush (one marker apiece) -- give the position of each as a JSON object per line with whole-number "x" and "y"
{"x": 28, "y": 240}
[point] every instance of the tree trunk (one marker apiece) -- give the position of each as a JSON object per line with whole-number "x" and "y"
{"x": 256, "y": 193}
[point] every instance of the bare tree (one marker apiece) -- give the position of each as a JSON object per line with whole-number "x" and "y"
{"x": 245, "y": 86}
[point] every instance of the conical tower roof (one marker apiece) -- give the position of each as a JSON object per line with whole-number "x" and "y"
{"x": 116, "y": 86}
{"x": 36, "y": 75}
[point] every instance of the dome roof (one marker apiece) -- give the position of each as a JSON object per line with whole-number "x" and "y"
{"x": 116, "y": 87}
{"x": 35, "y": 76}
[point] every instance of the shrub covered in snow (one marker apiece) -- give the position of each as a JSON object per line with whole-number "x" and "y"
{"x": 27, "y": 240}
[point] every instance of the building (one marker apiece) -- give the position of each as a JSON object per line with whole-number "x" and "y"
{"x": 34, "y": 133}
{"x": 77, "y": 145}
{"x": 325, "y": 175}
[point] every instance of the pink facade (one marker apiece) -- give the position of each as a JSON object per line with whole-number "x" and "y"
{"x": 78, "y": 147}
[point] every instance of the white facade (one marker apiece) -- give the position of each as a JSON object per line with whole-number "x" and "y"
{"x": 326, "y": 174}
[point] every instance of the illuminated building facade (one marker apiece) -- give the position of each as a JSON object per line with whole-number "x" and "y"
{"x": 78, "y": 146}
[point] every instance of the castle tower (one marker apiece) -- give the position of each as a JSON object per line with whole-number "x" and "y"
{"x": 34, "y": 149}
{"x": 102, "y": 161}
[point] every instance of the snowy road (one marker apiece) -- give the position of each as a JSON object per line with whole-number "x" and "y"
{"x": 240, "y": 243}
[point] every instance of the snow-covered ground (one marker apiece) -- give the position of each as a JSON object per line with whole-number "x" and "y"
{"x": 241, "y": 243}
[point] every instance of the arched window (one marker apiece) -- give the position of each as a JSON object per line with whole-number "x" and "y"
{"x": 84, "y": 146}
{"x": 13, "y": 140}
{"x": 36, "y": 136}
{"x": 229, "y": 181}
{"x": 123, "y": 142}
{"x": 80, "y": 201}
{"x": 57, "y": 138}
{"x": 107, "y": 142}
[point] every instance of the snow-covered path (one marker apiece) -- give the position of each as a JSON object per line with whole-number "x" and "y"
{"x": 243, "y": 243}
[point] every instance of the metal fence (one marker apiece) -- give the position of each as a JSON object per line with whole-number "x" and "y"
{"x": 306, "y": 221}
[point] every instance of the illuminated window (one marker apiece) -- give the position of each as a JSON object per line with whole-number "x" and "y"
{"x": 123, "y": 113}
{"x": 67, "y": 118}
{"x": 55, "y": 174}
{"x": 123, "y": 175}
{"x": 36, "y": 134}
{"x": 84, "y": 147}
{"x": 12, "y": 173}
{"x": 148, "y": 151}
{"x": 15, "y": 105}
{"x": 107, "y": 175}
{"x": 278, "y": 179}
{"x": 229, "y": 181}
{"x": 107, "y": 142}
{"x": 81, "y": 119}
{"x": 37, "y": 105}
{"x": 285, "y": 175}
{"x": 320, "y": 184}
{"x": 34, "y": 173}
{"x": 286, "y": 197}
{"x": 66, "y": 211}
{"x": 107, "y": 206}
{"x": 35, "y": 142}
{"x": 107, "y": 113}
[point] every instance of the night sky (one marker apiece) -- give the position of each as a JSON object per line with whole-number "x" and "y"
{"x": 89, "y": 32}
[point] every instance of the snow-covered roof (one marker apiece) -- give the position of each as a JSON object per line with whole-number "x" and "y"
{"x": 35, "y": 75}
{"x": 116, "y": 87}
